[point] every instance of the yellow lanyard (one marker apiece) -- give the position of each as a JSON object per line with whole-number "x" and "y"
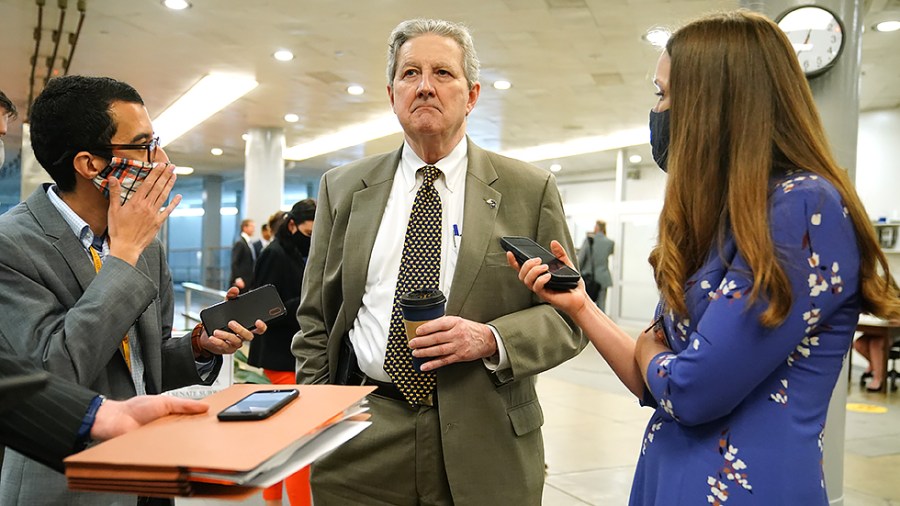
{"x": 126, "y": 351}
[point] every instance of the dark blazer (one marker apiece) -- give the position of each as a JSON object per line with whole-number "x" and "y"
{"x": 241, "y": 263}
{"x": 495, "y": 415}
{"x": 60, "y": 314}
{"x": 43, "y": 425}
{"x": 281, "y": 264}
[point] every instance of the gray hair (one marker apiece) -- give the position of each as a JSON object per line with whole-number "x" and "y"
{"x": 413, "y": 28}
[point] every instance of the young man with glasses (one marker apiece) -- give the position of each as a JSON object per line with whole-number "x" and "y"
{"x": 89, "y": 294}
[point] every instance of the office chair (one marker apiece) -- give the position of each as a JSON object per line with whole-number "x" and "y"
{"x": 893, "y": 374}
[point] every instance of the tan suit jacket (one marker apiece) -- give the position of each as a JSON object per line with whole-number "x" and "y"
{"x": 492, "y": 444}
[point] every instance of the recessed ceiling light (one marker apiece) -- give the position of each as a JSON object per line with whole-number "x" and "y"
{"x": 355, "y": 89}
{"x": 555, "y": 167}
{"x": 657, "y": 37}
{"x": 887, "y": 26}
{"x": 635, "y": 158}
{"x": 183, "y": 171}
{"x": 216, "y": 151}
{"x": 245, "y": 137}
{"x": 176, "y": 5}
{"x": 291, "y": 118}
{"x": 502, "y": 85}
{"x": 283, "y": 55}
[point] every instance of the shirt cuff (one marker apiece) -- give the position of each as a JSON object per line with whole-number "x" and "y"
{"x": 204, "y": 369}
{"x": 83, "y": 438}
{"x": 500, "y": 360}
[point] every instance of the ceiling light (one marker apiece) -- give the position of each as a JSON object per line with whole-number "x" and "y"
{"x": 887, "y": 26}
{"x": 283, "y": 55}
{"x": 245, "y": 137}
{"x": 348, "y": 136}
{"x": 228, "y": 211}
{"x": 635, "y": 158}
{"x": 176, "y": 5}
{"x": 216, "y": 151}
{"x": 210, "y": 95}
{"x": 657, "y": 37}
{"x": 291, "y": 118}
{"x": 615, "y": 140}
{"x": 555, "y": 167}
{"x": 355, "y": 89}
{"x": 502, "y": 85}
{"x": 183, "y": 171}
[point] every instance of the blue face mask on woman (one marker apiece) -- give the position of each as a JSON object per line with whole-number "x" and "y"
{"x": 659, "y": 137}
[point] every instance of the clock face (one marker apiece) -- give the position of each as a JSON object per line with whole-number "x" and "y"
{"x": 817, "y": 37}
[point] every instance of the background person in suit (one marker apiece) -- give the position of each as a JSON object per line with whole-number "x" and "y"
{"x": 243, "y": 257}
{"x": 475, "y": 438}
{"x": 62, "y": 417}
{"x": 93, "y": 298}
{"x": 593, "y": 258}
{"x": 281, "y": 264}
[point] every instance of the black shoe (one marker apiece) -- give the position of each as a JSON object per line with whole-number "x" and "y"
{"x": 864, "y": 377}
{"x": 878, "y": 389}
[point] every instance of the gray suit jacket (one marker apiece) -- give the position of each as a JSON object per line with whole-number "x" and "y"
{"x": 492, "y": 445}
{"x": 69, "y": 320}
{"x": 599, "y": 263}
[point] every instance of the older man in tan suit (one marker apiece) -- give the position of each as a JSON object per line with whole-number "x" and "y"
{"x": 467, "y": 429}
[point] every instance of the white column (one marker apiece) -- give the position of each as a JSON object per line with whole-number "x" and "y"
{"x": 263, "y": 175}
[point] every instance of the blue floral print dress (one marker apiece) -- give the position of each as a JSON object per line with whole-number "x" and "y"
{"x": 740, "y": 408}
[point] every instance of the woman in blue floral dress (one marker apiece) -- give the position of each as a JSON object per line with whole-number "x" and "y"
{"x": 765, "y": 259}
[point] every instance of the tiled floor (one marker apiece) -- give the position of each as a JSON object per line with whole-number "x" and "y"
{"x": 593, "y": 431}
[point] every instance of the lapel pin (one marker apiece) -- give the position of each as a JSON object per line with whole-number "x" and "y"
{"x": 491, "y": 202}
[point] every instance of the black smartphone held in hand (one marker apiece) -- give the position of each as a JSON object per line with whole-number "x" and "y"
{"x": 262, "y": 303}
{"x": 258, "y": 405}
{"x": 562, "y": 277}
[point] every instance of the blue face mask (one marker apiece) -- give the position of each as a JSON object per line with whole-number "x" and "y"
{"x": 659, "y": 137}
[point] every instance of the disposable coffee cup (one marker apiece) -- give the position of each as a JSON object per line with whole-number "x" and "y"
{"x": 420, "y": 306}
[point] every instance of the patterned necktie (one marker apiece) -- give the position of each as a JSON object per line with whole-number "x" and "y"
{"x": 124, "y": 348}
{"x": 420, "y": 267}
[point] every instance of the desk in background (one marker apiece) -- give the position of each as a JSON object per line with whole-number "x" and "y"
{"x": 875, "y": 326}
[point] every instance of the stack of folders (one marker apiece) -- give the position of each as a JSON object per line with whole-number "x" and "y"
{"x": 200, "y": 456}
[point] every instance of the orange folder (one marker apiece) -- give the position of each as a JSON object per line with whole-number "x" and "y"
{"x": 198, "y": 455}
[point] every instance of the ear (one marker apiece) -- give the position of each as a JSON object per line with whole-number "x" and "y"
{"x": 473, "y": 97}
{"x": 390, "y": 92}
{"x": 84, "y": 164}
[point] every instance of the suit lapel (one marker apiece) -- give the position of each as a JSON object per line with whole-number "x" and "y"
{"x": 60, "y": 235}
{"x": 366, "y": 212}
{"x": 479, "y": 216}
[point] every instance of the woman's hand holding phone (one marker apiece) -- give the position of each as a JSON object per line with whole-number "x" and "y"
{"x": 534, "y": 274}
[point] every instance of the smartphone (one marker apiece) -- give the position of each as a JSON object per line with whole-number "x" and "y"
{"x": 262, "y": 303}
{"x": 562, "y": 277}
{"x": 258, "y": 405}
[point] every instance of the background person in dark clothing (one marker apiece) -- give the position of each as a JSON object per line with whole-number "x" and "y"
{"x": 281, "y": 264}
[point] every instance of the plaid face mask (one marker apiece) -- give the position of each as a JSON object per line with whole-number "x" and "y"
{"x": 130, "y": 173}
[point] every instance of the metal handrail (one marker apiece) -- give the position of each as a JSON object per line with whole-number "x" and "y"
{"x": 189, "y": 319}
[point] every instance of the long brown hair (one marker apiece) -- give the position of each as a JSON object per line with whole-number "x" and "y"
{"x": 740, "y": 105}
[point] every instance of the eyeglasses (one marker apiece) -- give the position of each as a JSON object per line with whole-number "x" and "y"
{"x": 151, "y": 147}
